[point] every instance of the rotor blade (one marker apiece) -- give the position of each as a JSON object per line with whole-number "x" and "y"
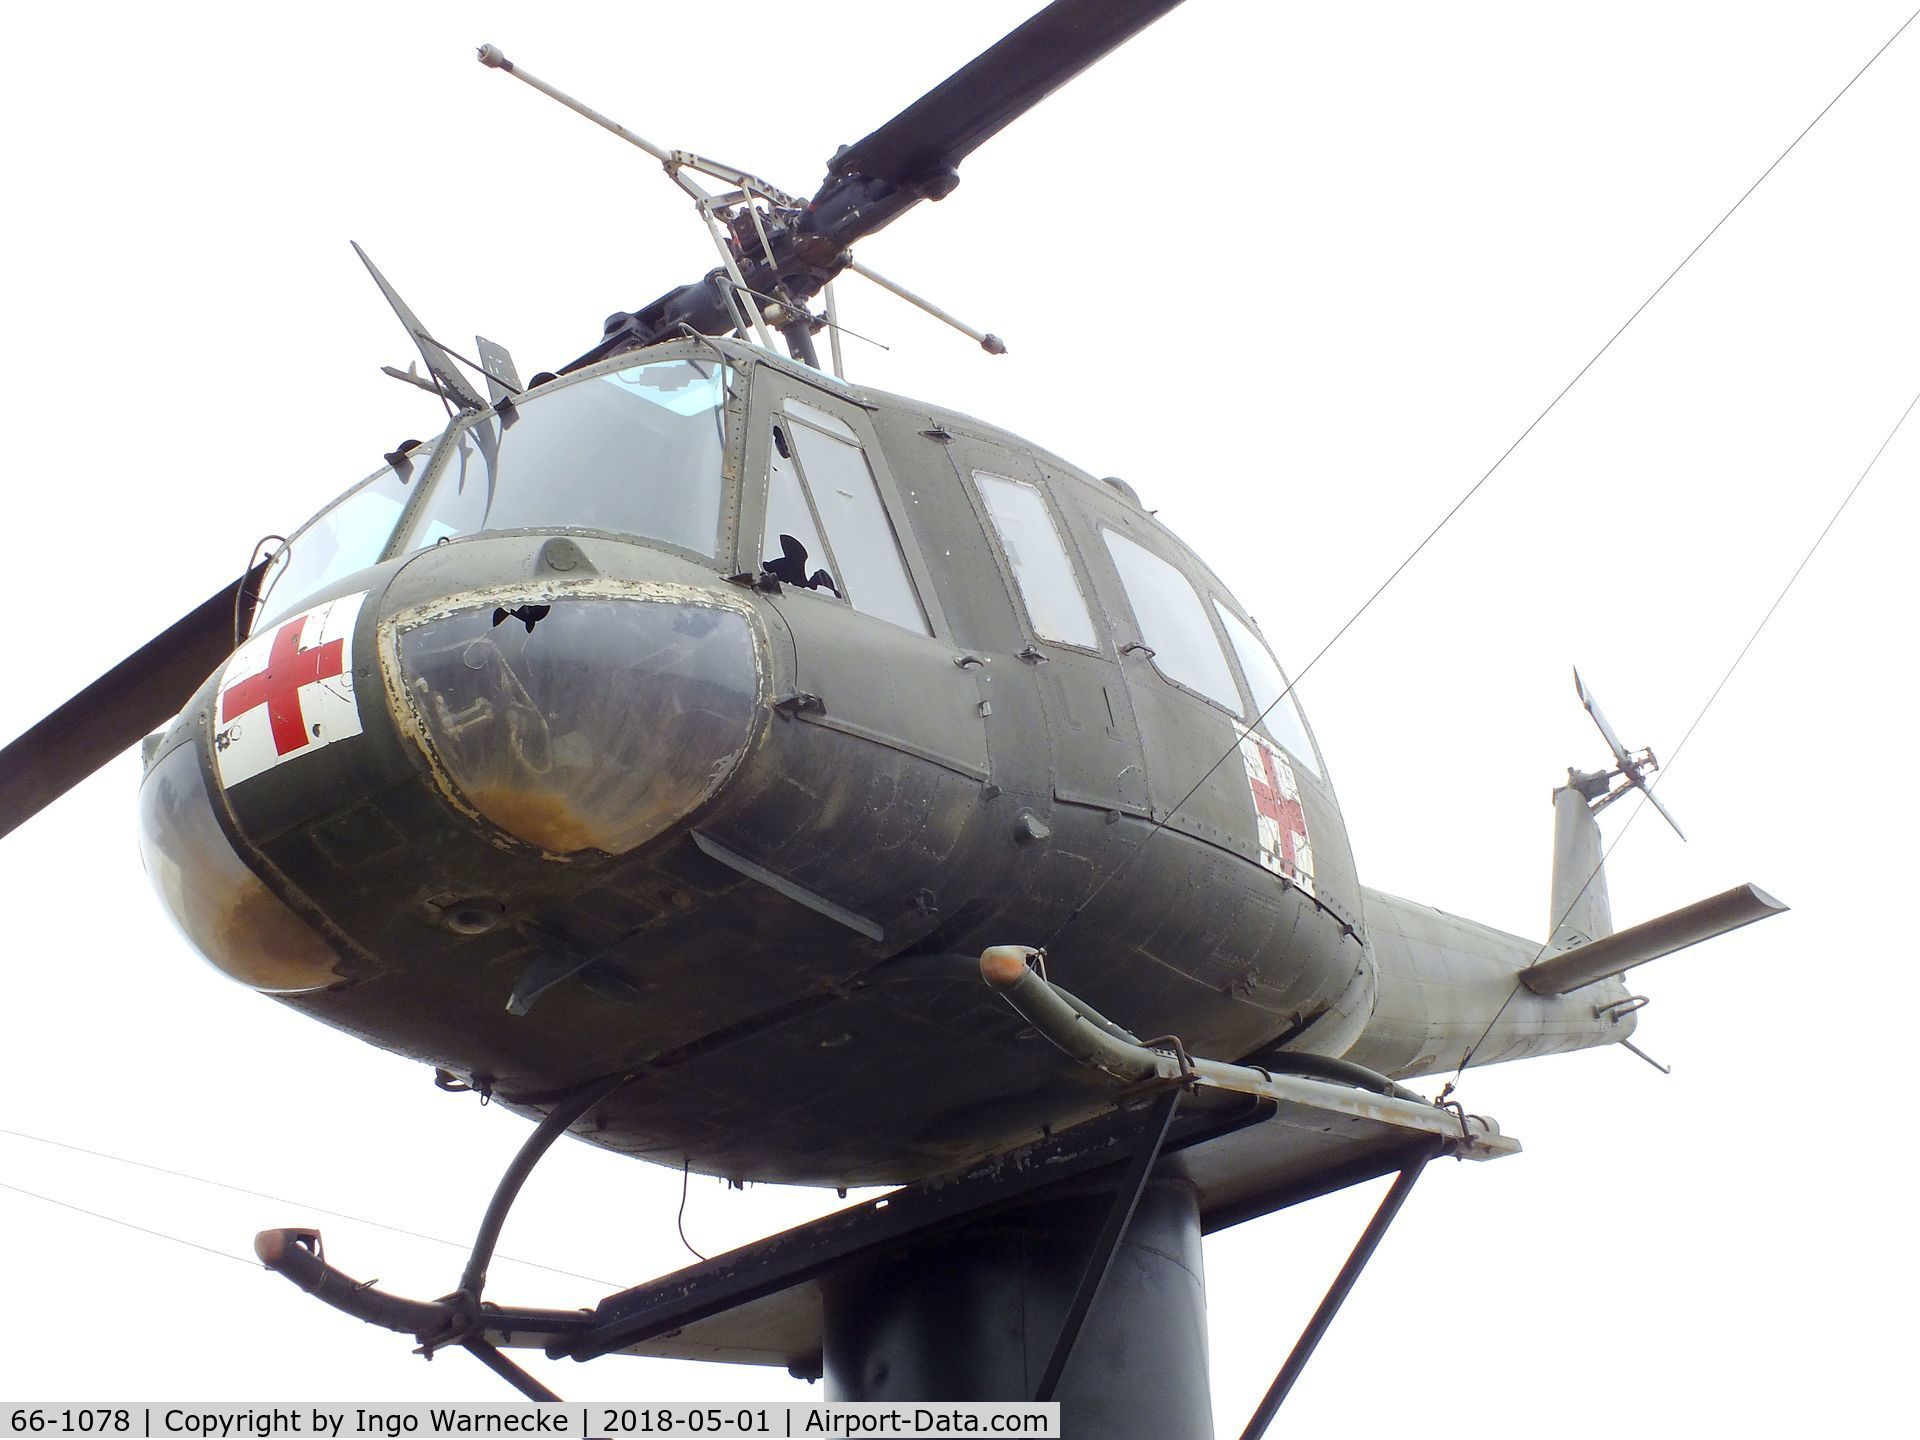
{"x": 942, "y": 127}
{"x": 1658, "y": 804}
{"x": 874, "y": 181}
{"x": 136, "y": 697}
{"x": 1606, "y": 730}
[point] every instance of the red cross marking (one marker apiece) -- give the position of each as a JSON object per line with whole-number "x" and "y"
{"x": 278, "y": 686}
{"x": 1270, "y": 804}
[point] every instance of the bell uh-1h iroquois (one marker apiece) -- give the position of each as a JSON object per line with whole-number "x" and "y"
{"x": 685, "y": 726}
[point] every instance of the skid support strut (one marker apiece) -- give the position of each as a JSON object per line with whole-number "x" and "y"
{"x": 1304, "y": 1347}
{"x": 1074, "y": 1258}
{"x": 490, "y": 1357}
{"x": 552, "y": 1126}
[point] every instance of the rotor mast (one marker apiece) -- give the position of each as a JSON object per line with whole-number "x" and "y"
{"x": 778, "y": 252}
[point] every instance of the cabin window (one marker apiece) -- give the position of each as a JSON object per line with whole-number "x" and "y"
{"x": 633, "y": 452}
{"x": 1173, "y": 623}
{"x": 1042, "y": 573}
{"x": 827, "y": 527}
{"x": 795, "y": 554}
{"x": 349, "y": 535}
{"x": 1283, "y": 720}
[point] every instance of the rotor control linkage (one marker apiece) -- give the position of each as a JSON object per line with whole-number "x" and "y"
{"x": 793, "y": 247}
{"x": 677, "y": 163}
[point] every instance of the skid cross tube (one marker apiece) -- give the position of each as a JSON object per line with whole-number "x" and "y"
{"x": 556, "y": 1123}
{"x": 1303, "y": 1348}
{"x": 1126, "y": 1199}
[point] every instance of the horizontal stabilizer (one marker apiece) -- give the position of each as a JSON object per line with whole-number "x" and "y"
{"x": 1586, "y": 964}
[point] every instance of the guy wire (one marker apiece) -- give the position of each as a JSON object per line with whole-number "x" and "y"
{"x": 1472, "y": 490}
{"x": 1673, "y": 758}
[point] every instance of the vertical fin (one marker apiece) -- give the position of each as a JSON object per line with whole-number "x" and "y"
{"x": 1581, "y": 912}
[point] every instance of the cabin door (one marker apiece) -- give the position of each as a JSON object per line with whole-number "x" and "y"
{"x": 872, "y": 655}
{"x": 1094, "y": 738}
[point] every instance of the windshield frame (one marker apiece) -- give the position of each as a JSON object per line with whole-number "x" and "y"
{"x": 267, "y": 608}
{"x": 733, "y": 411}
{"x": 735, "y": 382}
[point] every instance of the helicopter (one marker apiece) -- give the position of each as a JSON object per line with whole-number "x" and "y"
{"x": 822, "y": 601}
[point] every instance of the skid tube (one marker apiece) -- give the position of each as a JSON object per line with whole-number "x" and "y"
{"x": 1122, "y": 1149}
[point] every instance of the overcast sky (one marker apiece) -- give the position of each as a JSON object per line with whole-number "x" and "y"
{"x": 1300, "y": 274}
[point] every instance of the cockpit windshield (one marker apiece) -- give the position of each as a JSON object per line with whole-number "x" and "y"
{"x": 635, "y": 451}
{"x": 349, "y": 535}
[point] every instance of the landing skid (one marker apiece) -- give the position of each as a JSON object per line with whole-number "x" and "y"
{"x": 868, "y": 1296}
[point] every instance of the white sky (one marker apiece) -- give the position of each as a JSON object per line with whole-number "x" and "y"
{"x": 1300, "y": 274}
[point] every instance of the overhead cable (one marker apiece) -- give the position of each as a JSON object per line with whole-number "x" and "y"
{"x": 283, "y": 1200}
{"x": 143, "y": 1229}
{"x": 1674, "y": 756}
{"x": 1477, "y": 485}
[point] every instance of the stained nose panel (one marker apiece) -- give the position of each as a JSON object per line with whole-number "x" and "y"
{"x": 221, "y": 906}
{"x": 573, "y": 720}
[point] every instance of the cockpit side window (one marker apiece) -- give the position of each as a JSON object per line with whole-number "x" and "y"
{"x": 1042, "y": 573}
{"x": 637, "y": 451}
{"x": 817, "y": 471}
{"x": 349, "y": 535}
{"x": 794, "y": 552}
{"x": 1173, "y": 623}
{"x": 1284, "y": 721}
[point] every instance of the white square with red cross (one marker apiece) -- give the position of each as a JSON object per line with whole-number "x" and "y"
{"x": 287, "y": 692}
{"x": 1279, "y": 819}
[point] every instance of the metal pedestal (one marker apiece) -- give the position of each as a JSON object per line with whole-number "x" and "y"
{"x": 975, "y": 1314}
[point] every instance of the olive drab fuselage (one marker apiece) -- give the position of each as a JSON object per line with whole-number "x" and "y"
{"x": 542, "y": 801}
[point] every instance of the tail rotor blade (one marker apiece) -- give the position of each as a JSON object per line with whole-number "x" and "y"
{"x": 1635, "y": 770}
{"x": 131, "y": 700}
{"x": 1658, "y": 804}
{"x": 1606, "y": 730}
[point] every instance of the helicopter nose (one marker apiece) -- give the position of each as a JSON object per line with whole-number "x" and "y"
{"x": 578, "y": 718}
